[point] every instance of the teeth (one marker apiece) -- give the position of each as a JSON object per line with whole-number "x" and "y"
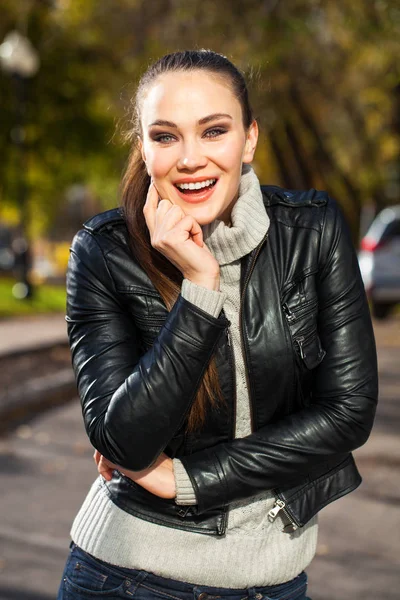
{"x": 196, "y": 186}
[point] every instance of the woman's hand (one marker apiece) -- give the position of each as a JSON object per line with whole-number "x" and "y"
{"x": 158, "y": 479}
{"x": 180, "y": 239}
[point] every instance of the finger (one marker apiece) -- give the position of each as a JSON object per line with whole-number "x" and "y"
{"x": 150, "y": 207}
{"x": 168, "y": 215}
{"x": 96, "y": 456}
{"x": 164, "y": 206}
{"x": 193, "y": 228}
{"x": 105, "y": 470}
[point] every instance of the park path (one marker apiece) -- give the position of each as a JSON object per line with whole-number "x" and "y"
{"x": 46, "y": 469}
{"x": 25, "y": 333}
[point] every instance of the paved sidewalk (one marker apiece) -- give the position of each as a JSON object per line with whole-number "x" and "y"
{"x": 46, "y": 468}
{"x": 25, "y": 333}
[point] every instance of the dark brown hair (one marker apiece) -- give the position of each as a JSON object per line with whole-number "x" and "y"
{"x": 166, "y": 278}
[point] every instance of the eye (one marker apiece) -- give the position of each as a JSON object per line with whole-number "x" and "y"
{"x": 164, "y": 138}
{"x": 215, "y": 132}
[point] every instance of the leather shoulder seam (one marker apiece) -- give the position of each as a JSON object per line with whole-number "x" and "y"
{"x": 297, "y": 226}
{"x": 111, "y": 217}
{"x": 274, "y": 195}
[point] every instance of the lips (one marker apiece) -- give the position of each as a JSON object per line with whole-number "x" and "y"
{"x": 192, "y": 186}
{"x": 196, "y": 191}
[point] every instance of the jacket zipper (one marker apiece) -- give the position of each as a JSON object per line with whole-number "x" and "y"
{"x": 244, "y": 346}
{"x": 233, "y": 378}
{"x": 279, "y": 506}
{"x": 222, "y": 528}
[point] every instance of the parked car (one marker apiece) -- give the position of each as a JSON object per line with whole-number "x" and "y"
{"x": 379, "y": 260}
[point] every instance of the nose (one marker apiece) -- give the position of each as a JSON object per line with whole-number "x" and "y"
{"x": 191, "y": 158}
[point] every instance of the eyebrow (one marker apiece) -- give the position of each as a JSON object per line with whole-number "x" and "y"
{"x": 203, "y": 121}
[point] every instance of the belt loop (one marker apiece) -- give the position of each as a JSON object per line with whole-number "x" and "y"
{"x": 131, "y": 586}
{"x": 253, "y": 595}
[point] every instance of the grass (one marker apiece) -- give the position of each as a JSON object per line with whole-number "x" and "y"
{"x": 46, "y": 298}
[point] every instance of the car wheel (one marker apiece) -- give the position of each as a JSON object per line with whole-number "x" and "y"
{"x": 381, "y": 310}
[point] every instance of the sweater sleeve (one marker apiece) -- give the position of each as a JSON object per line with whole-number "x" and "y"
{"x": 184, "y": 488}
{"x": 211, "y": 301}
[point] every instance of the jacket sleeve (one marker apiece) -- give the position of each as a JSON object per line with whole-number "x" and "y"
{"x": 132, "y": 403}
{"x": 344, "y": 393}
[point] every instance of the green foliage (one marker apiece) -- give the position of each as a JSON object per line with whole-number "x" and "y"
{"x": 46, "y": 298}
{"x": 324, "y": 78}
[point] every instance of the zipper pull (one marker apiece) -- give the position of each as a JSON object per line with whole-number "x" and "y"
{"x": 289, "y": 315}
{"x": 299, "y": 341}
{"x": 228, "y": 339}
{"x": 273, "y": 513}
{"x": 290, "y": 527}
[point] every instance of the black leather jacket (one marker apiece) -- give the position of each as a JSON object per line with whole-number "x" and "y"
{"x": 310, "y": 357}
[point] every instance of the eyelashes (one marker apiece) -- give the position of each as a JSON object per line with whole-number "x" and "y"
{"x": 168, "y": 138}
{"x": 163, "y": 138}
{"x": 215, "y": 132}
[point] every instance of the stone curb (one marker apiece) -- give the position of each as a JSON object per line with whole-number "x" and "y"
{"x": 36, "y": 394}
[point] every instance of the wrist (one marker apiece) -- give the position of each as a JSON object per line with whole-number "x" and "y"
{"x": 211, "y": 282}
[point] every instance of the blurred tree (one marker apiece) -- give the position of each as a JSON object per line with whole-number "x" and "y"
{"x": 324, "y": 80}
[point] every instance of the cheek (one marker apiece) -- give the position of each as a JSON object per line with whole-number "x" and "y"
{"x": 160, "y": 162}
{"x": 230, "y": 154}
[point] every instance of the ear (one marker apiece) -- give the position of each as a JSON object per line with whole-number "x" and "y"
{"x": 251, "y": 142}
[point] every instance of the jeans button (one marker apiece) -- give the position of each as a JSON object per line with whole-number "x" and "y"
{"x": 258, "y": 596}
{"x": 203, "y": 596}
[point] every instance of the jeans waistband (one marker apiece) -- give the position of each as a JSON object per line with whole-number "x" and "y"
{"x": 281, "y": 591}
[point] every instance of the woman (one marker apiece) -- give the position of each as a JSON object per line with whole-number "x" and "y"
{"x": 224, "y": 356}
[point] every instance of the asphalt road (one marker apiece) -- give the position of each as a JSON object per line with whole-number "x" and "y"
{"x": 46, "y": 468}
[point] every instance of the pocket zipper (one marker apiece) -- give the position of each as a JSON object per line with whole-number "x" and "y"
{"x": 302, "y": 339}
{"x": 299, "y": 341}
{"x": 289, "y": 315}
{"x": 299, "y": 312}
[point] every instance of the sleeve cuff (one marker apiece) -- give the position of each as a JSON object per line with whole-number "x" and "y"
{"x": 184, "y": 490}
{"x": 211, "y": 301}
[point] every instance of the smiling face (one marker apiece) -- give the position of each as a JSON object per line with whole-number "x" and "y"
{"x": 194, "y": 142}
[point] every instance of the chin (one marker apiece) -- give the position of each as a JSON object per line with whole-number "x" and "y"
{"x": 202, "y": 214}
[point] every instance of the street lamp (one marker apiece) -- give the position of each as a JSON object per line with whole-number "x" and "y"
{"x": 20, "y": 60}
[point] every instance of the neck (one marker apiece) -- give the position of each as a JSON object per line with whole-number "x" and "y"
{"x": 244, "y": 228}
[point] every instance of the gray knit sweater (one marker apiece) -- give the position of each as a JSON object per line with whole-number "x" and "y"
{"x": 254, "y": 552}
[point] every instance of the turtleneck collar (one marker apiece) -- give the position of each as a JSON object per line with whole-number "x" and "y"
{"x": 249, "y": 223}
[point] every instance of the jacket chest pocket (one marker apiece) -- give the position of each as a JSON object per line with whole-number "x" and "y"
{"x": 300, "y": 308}
{"x": 307, "y": 349}
{"x": 310, "y": 349}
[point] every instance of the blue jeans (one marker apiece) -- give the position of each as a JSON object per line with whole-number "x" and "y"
{"x": 87, "y": 578}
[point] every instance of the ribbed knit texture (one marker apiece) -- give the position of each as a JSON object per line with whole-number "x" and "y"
{"x": 210, "y": 301}
{"x": 254, "y": 552}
